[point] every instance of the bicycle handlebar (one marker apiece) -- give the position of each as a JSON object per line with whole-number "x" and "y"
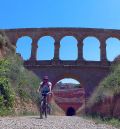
{"x": 49, "y": 93}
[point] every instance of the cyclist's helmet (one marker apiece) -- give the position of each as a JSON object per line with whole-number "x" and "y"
{"x": 45, "y": 77}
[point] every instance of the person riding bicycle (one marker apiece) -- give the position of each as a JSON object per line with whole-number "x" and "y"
{"x": 45, "y": 86}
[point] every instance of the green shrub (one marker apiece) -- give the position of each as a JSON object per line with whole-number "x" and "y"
{"x": 114, "y": 122}
{"x": 97, "y": 119}
{"x": 24, "y": 82}
{"x": 8, "y": 94}
{"x": 6, "y": 98}
{"x": 6, "y": 111}
{"x": 1, "y": 101}
{"x": 4, "y": 69}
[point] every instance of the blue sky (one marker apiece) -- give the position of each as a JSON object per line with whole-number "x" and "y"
{"x": 62, "y": 13}
{"x": 66, "y": 80}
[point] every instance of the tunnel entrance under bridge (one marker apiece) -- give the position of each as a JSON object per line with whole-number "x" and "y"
{"x": 70, "y": 111}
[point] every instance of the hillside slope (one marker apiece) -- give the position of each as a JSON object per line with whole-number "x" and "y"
{"x": 17, "y": 85}
{"x": 105, "y": 100}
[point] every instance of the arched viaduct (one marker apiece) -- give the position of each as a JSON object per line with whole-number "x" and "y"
{"x": 88, "y": 73}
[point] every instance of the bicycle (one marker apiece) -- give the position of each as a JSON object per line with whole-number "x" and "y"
{"x": 44, "y": 105}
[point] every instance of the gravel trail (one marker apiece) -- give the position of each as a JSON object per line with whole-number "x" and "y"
{"x": 52, "y": 122}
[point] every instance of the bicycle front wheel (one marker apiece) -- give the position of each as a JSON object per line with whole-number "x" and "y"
{"x": 41, "y": 110}
{"x": 45, "y": 109}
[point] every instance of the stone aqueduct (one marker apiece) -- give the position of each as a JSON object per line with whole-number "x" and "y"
{"x": 58, "y": 33}
{"x": 88, "y": 73}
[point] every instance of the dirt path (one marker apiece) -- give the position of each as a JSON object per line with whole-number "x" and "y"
{"x": 52, "y": 122}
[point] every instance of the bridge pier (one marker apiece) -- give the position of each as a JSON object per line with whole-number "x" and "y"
{"x": 103, "y": 56}
{"x": 80, "y": 50}
{"x": 34, "y": 49}
{"x": 57, "y": 50}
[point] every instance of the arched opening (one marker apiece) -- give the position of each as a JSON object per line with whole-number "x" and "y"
{"x": 67, "y": 83}
{"x": 91, "y": 49}
{"x": 69, "y": 95}
{"x": 45, "y": 49}
{"x": 68, "y": 48}
{"x": 70, "y": 111}
{"x": 112, "y": 48}
{"x": 23, "y": 47}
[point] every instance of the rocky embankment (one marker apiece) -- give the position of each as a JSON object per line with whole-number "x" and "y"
{"x": 25, "y": 107}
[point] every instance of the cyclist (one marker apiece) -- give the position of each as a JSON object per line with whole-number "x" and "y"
{"x": 44, "y": 88}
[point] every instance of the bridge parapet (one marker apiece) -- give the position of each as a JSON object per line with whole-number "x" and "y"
{"x": 55, "y": 63}
{"x": 58, "y": 33}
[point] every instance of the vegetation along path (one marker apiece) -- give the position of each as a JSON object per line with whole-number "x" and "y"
{"x": 52, "y": 122}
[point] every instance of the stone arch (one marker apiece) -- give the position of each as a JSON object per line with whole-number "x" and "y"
{"x": 69, "y": 99}
{"x": 66, "y": 81}
{"x": 23, "y": 47}
{"x": 68, "y": 52}
{"x": 67, "y": 75}
{"x": 112, "y": 48}
{"x": 91, "y": 48}
{"x": 45, "y": 49}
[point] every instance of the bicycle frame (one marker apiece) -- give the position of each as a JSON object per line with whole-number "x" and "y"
{"x": 43, "y": 106}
